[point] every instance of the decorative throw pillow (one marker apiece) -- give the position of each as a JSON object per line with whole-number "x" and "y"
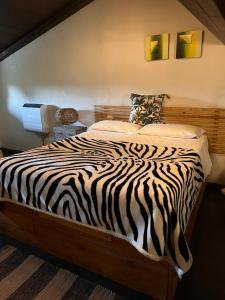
{"x": 146, "y": 108}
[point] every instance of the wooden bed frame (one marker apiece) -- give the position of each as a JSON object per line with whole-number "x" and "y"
{"x": 101, "y": 252}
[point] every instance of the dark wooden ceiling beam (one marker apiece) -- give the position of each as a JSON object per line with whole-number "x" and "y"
{"x": 210, "y": 13}
{"x": 49, "y": 23}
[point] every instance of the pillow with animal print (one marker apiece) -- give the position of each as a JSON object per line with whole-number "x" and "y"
{"x": 146, "y": 108}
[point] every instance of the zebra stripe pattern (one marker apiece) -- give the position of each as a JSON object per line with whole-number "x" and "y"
{"x": 144, "y": 194}
{"x": 25, "y": 276}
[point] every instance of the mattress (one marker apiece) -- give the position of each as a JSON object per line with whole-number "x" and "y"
{"x": 141, "y": 192}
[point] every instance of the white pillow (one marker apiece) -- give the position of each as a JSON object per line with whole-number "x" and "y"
{"x": 172, "y": 130}
{"x": 117, "y": 126}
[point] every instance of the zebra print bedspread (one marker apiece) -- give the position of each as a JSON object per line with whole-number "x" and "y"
{"x": 142, "y": 193}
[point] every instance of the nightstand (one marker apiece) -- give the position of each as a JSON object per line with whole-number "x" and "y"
{"x": 65, "y": 131}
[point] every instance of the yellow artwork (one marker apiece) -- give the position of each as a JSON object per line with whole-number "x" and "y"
{"x": 189, "y": 44}
{"x": 157, "y": 47}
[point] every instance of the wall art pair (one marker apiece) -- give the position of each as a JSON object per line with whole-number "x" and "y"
{"x": 189, "y": 45}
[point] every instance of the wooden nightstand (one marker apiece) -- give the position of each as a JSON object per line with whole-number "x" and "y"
{"x": 65, "y": 131}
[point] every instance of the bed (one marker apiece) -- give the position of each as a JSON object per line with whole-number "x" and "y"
{"x": 122, "y": 254}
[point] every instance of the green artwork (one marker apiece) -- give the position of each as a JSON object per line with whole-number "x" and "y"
{"x": 157, "y": 47}
{"x": 189, "y": 44}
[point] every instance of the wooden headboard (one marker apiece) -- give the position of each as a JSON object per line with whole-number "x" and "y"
{"x": 210, "y": 119}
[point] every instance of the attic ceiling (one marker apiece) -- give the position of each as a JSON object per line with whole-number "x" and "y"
{"x": 22, "y": 21}
{"x": 211, "y": 13}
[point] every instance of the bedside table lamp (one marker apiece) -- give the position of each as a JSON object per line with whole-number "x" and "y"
{"x": 66, "y": 116}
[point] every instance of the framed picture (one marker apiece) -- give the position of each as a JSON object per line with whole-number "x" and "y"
{"x": 157, "y": 47}
{"x": 189, "y": 44}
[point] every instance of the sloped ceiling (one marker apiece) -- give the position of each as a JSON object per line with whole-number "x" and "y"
{"x": 22, "y": 21}
{"x": 211, "y": 13}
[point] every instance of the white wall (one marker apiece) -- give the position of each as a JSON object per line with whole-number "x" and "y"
{"x": 97, "y": 57}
